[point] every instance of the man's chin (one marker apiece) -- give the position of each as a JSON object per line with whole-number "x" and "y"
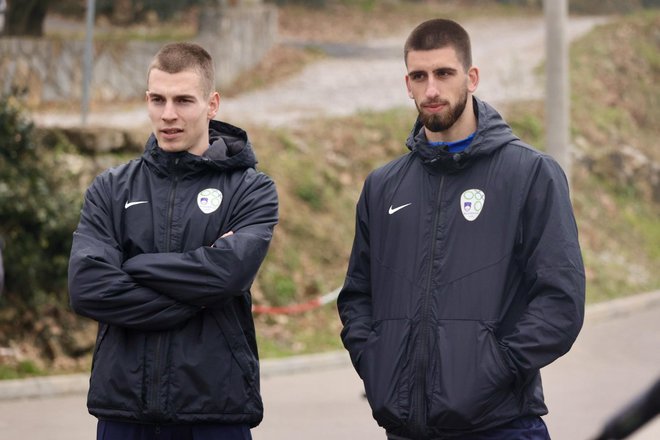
{"x": 169, "y": 146}
{"x": 434, "y": 124}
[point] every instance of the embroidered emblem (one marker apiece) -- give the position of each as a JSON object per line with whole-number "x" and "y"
{"x": 472, "y": 202}
{"x": 209, "y": 200}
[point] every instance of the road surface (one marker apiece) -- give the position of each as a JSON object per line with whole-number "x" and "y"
{"x": 614, "y": 359}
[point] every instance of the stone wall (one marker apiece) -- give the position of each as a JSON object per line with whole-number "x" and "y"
{"x": 52, "y": 70}
{"x": 237, "y": 37}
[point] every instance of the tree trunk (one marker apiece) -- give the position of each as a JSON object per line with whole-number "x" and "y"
{"x": 123, "y": 12}
{"x": 25, "y": 17}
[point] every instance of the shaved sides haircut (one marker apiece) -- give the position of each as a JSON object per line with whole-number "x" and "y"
{"x": 439, "y": 33}
{"x": 177, "y": 57}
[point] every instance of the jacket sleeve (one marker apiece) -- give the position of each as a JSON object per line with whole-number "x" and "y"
{"x": 204, "y": 277}
{"x": 354, "y": 301}
{"x": 554, "y": 280}
{"x": 98, "y": 287}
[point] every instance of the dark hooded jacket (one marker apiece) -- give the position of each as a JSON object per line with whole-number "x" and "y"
{"x": 465, "y": 278}
{"x": 176, "y": 340}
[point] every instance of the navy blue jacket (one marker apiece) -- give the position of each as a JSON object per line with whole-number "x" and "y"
{"x": 176, "y": 340}
{"x": 465, "y": 278}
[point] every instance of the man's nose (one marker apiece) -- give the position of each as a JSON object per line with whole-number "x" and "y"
{"x": 169, "y": 111}
{"x": 432, "y": 88}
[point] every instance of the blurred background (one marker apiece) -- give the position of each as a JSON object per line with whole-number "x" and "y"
{"x": 57, "y": 133}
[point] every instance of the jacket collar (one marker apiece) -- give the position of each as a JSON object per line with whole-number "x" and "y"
{"x": 492, "y": 134}
{"x": 230, "y": 149}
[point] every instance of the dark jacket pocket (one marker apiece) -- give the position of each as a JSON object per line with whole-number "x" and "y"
{"x": 384, "y": 364}
{"x": 116, "y": 381}
{"x": 213, "y": 372}
{"x": 469, "y": 377}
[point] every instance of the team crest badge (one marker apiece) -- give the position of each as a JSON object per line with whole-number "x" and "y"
{"x": 209, "y": 200}
{"x": 472, "y": 202}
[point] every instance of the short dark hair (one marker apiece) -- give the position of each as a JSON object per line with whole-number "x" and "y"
{"x": 177, "y": 57}
{"x": 438, "y": 33}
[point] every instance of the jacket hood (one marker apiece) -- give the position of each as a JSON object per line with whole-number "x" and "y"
{"x": 230, "y": 149}
{"x": 491, "y": 135}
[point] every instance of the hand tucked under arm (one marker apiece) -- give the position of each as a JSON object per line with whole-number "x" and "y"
{"x": 226, "y": 234}
{"x": 207, "y": 275}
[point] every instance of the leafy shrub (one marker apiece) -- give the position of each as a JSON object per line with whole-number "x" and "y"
{"x": 22, "y": 369}
{"x": 37, "y": 216}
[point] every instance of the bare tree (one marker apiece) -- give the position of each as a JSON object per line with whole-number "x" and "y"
{"x": 123, "y": 12}
{"x": 25, "y": 17}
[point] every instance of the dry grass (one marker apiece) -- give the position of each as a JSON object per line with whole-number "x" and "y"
{"x": 281, "y": 62}
{"x": 339, "y": 22}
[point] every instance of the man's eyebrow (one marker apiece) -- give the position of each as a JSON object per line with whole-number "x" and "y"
{"x": 438, "y": 70}
{"x": 445, "y": 70}
{"x": 183, "y": 96}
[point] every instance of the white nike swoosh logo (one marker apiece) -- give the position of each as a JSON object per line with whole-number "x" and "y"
{"x": 129, "y": 204}
{"x": 392, "y": 210}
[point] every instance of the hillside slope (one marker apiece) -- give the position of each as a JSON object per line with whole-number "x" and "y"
{"x": 319, "y": 170}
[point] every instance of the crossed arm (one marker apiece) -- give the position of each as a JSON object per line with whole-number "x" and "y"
{"x": 158, "y": 291}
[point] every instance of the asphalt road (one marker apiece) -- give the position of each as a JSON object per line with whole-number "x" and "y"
{"x": 615, "y": 358}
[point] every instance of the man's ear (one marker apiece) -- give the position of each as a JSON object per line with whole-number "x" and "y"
{"x": 410, "y": 94}
{"x": 214, "y": 105}
{"x": 473, "y": 79}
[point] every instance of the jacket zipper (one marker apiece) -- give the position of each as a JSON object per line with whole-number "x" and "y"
{"x": 170, "y": 210}
{"x": 159, "y": 339}
{"x": 422, "y": 358}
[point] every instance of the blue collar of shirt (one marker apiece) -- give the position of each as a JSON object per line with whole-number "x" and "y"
{"x": 456, "y": 146}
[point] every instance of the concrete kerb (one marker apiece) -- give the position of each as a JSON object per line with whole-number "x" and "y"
{"x": 78, "y": 383}
{"x": 46, "y": 386}
{"x": 621, "y": 306}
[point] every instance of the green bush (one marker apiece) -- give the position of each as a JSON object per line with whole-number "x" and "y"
{"x": 21, "y": 370}
{"x": 605, "y": 6}
{"x": 37, "y": 213}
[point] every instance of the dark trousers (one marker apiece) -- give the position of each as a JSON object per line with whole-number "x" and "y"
{"x": 109, "y": 430}
{"x": 526, "y": 428}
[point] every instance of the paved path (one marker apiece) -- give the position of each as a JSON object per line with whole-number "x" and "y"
{"x": 615, "y": 358}
{"x": 370, "y": 76}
